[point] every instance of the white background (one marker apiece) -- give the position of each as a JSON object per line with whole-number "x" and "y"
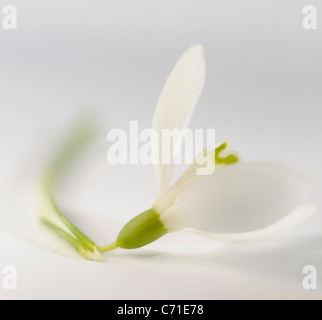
{"x": 263, "y": 92}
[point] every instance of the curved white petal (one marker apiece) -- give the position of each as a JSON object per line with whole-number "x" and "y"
{"x": 295, "y": 217}
{"x": 175, "y": 106}
{"x": 238, "y": 198}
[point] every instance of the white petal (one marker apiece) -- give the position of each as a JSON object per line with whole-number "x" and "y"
{"x": 238, "y": 198}
{"x": 176, "y": 104}
{"x": 295, "y": 217}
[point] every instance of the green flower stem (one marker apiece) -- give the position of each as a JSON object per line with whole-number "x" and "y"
{"x": 74, "y": 243}
{"x": 81, "y": 243}
{"x": 86, "y": 241}
{"x": 74, "y": 145}
{"x": 109, "y": 247}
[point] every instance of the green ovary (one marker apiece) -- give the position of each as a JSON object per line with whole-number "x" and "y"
{"x": 141, "y": 230}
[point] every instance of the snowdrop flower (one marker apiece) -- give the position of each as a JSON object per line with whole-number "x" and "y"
{"x": 236, "y": 199}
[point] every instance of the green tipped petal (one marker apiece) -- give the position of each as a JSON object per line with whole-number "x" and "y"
{"x": 229, "y": 159}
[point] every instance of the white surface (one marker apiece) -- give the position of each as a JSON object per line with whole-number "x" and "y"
{"x": 263, "y": 92}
